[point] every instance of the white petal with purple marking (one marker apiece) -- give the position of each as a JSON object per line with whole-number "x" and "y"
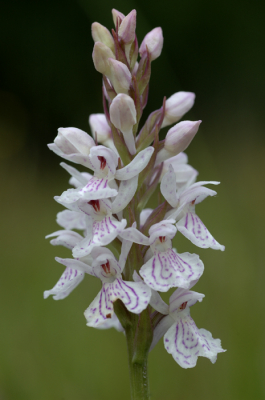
{"x": 168, "y": 187}
{"x": 66, "y": 284}
{"x": 196, "y": 194}
{"x": 169, "y": 269}
{"x": 96, "y": 188}
{"x": 103, "y": 233}
{"x": 101, "y": 308}
{"x": 181, "y": 296}
{"x": 193, "y": 228}
{"x": 134, "y": 295}
{"x": 136, "y": 166}
{"x": 186, "y": 343}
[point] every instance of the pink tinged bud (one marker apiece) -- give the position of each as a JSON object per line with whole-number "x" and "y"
{"x": 179, "y": 136}
{"x": 101, "y": 54}
{"x": 177, "y": 139}
{"x": 176, "y": 106}
{"x": 117, "y": 14}
{"x": 119, "y": 75}
{"x": 126, "y": 30}
{"x": 101, "y": 34}
{"x": 154, "y": 42}
{"x": 123, "y": 117}
{"x": 73, "y": 140}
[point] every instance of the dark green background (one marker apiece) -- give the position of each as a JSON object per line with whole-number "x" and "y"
{"x": 215, "y": 49}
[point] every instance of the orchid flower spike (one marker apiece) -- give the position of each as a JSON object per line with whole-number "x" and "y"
{"x": 107, "y": 224}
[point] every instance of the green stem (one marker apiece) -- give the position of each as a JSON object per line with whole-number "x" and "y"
{"x": 137, "y": 370}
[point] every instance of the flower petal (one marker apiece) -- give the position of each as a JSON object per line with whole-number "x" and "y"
{"x": 65, "y": 238}
{"x": 112, "y": 322}
{"x": 136, "y": 166}
{"x": 169, "y": 269}
{"x": 103, "y": 233}
{"x": 76, "y": 158}
{"x": 77, "y": 264}
{"x": 135, "y": 236}
{"x": 71, "y": 220}
{"x": 134, "y": 295}
{"x": 186, "y": 343}
{"x": 193, "y": 228}
{"x": 96, "y": 188}
{"x": 161, "y": 329}
{"x": 144, "y": 215}
{"x": 158, "y": 304}
{"x": 101, "y": 307}
{"x": 125, "y": 249}
{"x": 181, "y": 296}
{"x": 66, "y": 284}
{"x": 79, "y": 176}
{"x": 168, "y": 187}
{"x": 109, "y": 155}
{"x": 125, "y": 194}
{"x": 196, "y": 194}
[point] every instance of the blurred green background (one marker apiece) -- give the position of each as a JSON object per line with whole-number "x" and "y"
{"x": 215, "y": 49}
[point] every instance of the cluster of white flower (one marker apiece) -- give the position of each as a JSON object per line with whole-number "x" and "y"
{"x": 108, "y": 206}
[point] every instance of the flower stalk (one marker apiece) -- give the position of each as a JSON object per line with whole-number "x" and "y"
{"x": 120, "y": 239}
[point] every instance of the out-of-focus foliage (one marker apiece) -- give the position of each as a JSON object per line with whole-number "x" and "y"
{"x": 47, "y": 81}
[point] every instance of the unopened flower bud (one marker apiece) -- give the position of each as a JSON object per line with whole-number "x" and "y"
{"x": 119, "y": 75}
{"x": 123, "y": 117}
{"x": 101, "y": 34}
{"x": 176, "y": 106}
{"x": 100, "y": 128}
{"x": 117, "y": 14}
{"x": 101, "y": 54}
{"x": 177, "y": 139}
{"x": 126, "y": 30}
{"x": 179, "y": 136}
{"x": 72, "y": 144}
{"x": 154, "y": 42}
{"x": 99, "y": 125}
